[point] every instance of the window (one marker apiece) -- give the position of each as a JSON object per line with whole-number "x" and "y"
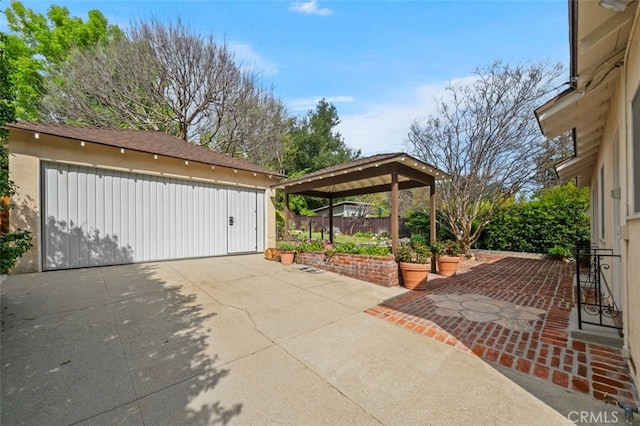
{"x": 635, "y": 134}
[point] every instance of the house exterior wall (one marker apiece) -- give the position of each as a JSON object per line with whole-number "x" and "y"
{"x": 346, "y": 210}
{"x": 631, "y": 221}
{"x": 26, "y": 154}
{"x": 621, "y": 231}
{"x": 604, "y": 224}
{"x": 337, "y": 211}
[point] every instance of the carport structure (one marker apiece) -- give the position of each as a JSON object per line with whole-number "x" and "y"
{"x": 379, "y": 173}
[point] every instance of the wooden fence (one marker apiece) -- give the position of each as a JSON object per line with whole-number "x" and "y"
{"x": 347, "y": 225}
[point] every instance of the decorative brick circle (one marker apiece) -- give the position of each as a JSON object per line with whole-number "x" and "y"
{"x": 479, "y": 308}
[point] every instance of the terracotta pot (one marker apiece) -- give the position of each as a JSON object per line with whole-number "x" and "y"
{"x": 286, "y": 257}
{"x": 415, "y": 275}
{"x": 448, "y": 265}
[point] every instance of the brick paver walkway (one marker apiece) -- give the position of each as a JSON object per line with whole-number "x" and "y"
{"x": 514, "y": 312}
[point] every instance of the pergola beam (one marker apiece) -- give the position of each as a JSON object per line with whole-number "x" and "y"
{"x": 361, "y": 191}
{"x": 415, "y": 175}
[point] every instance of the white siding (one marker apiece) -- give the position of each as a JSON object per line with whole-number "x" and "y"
{"x": 101, "y": 217}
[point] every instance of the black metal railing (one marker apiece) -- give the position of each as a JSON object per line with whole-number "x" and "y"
{"x": 596, "y": 303}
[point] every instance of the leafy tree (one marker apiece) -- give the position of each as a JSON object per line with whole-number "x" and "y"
{"x": 7, "y": 115}
{"x": 12, "y": 244}
{"x": 38, "y": 43}
{"x": 381, "y": 203}
{"x": 486, "y": 137}
{"x": 313, "y": 144}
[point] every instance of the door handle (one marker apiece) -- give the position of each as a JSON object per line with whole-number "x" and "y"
{"x": 230, "y": 220}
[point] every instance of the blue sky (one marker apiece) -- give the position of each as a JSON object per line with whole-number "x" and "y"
{"x": 381, "y": 63}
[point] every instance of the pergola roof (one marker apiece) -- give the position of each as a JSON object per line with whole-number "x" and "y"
{"x": 365, "y": 176}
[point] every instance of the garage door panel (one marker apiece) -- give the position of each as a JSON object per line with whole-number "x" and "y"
{"x": 100, "y": 217}
{"x": 260, "y": 230}
{"x": 82, "y": 220}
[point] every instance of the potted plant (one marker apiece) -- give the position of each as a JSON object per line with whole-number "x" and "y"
{"x": 414, "y": 265}
{"x": 287, "y": 252}
{"x": 446, "y": 253}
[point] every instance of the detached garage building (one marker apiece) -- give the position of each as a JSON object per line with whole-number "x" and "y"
{"x": 94, "y": 196}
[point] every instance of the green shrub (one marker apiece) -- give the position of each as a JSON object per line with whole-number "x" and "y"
{"x": 352, "y": 248}
{"x": 418, "y": 239}
{"x": 413, "y": 253}
{"x": 347, "y": 247}
{"x": 375, "y": 250}
{"x": 557, "y": 217}
{"x": 418, "y": 222}
{"x": 279, "y": 225}
{"x": 287, "y": 246}
{"x": 560, "y": 252}
{"x": 445, "y": 248}
{"x": 404, "y": 254}
{"x": 310, "y": 246}
{"x": 12, "y": 246}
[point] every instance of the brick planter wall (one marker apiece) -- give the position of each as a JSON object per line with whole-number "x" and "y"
{"x": 381, "y": 270}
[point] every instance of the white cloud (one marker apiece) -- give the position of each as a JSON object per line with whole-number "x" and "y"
{"x": 249, "y": 58}
{"x": 305, "y": 104}
{"x": 310, "y": 8}
{"x": 384, "y": 127}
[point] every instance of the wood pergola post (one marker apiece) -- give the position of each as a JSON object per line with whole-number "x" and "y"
{"x": 395, "y": 219}
{"x": 286, "y": 214}
{"x": 432, "y": 222}
{"x": 331, "y": 219}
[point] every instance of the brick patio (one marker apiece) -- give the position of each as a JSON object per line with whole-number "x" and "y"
{"x": 488, "y": 310}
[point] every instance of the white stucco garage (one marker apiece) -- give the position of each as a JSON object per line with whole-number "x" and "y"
{"x": 96, "y": 197}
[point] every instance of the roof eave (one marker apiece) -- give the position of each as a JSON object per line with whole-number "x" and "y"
{"x": 270, "y": 174}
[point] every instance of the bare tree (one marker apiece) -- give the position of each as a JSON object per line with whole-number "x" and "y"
{"x": 358, "y": 217}
{"x": 486, "y": 137}
{"x": 166, "y": 78}
{"x": 116, "y": 85}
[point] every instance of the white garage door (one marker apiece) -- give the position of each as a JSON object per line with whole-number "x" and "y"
{"x": 97, "y": 217}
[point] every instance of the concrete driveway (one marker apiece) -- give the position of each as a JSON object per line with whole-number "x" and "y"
{"x": 237, "y": 340}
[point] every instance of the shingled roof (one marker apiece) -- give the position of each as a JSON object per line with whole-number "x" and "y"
{"x": 142, "y": 141}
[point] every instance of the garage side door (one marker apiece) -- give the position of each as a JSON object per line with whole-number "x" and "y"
{"x": 97, "y": 217}
{"x": 246, "y": 220}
